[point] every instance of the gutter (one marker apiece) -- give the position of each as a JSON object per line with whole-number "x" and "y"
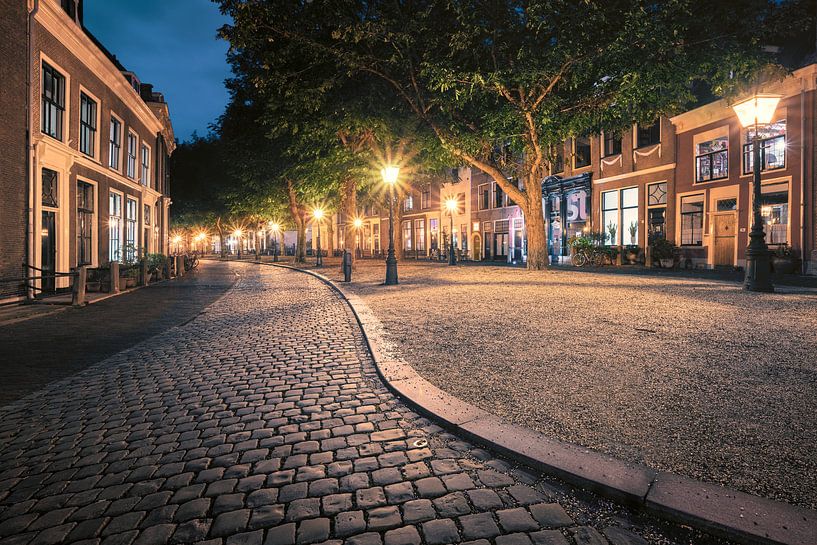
{"x": 29, "y": 243}
{"x": 803, "y": 262}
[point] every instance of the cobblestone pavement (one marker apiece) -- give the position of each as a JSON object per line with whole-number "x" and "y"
{"x": 263, "y": 421}
{"x": 54, "y": 343}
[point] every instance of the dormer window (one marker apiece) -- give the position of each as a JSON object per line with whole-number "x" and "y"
{"x": 70, "y": 7}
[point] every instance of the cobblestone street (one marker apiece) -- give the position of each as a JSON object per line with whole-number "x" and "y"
{"x": 263, "y": 421}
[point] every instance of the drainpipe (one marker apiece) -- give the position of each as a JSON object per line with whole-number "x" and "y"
{"x": 803, "y": 263}
{"x": 30, "y": 152}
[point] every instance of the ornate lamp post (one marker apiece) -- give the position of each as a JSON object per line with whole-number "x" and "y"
{"x": 390, "y": 174}
{"x": 358, "y": 223}
{"x": 276, "y": 229}
{"x": 753, "y": 112}
{"x": 451, "y": 205}
{"x": 318, "y": 215}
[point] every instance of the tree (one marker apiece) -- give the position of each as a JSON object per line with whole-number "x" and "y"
{"x": 499, "y": 83}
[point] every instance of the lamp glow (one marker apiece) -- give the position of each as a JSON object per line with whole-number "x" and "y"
{"x": 451, "y": 204}
{"x": 237, "y": 233}
{"x": 390, "y": 174}
{"x": 318, "y": 214}
{"x": 758, "y": 109}
{"x": 358, "y": 223}
{"x": 275, "y": 227}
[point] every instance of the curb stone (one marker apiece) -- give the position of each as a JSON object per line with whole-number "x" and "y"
{"x": 712, "y": 508}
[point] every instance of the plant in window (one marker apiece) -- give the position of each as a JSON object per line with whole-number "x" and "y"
{"x": 633, "y": 228}
{"x": 612, "y": 229}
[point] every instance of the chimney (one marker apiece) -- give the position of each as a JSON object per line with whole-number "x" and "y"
{"x": 146, "y": 91}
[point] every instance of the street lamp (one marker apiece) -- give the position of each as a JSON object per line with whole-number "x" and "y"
{"x": 276, "y": 228}
{"x": 318, "y": 215}
{"x": 451, "y": 205}
{"x": 237, "y": 235}
{"x": 358, "y": 223}
{"x": 390, "y": 174}
{"x": 752, "y": 112}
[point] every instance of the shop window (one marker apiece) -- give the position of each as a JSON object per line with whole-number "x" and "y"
{"x": 420, "y": 235}
{"x": 712, "y": 159}
{"x": 629, "y": 216}
{"x": 407, "y": 235}
{"x": 85, "y": 222}
{"x": 692, "y": 220}
{"x": 648, "y": 135}
{"x": 581, "y": 151}
{"x": 612, "y": 144}
{"x": 609, "y": 217}
{"x": 774, "y": 209}
{"x": 772, "y": 148}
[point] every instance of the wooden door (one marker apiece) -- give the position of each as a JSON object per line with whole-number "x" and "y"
{"x": 725, "y": 238}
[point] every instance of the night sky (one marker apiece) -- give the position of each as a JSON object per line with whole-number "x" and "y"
{"x": 173, "y": 45}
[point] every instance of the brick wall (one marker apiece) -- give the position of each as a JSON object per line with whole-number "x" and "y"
{"x": 12, "y": 141}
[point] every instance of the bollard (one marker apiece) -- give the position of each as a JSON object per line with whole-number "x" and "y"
{"x": 166, "y": 268}
{"x": 620, "y": 256}
{"x": 648, "y": 257}
{"x": 114, "y": 277}
{"x": 78, "y": 289}
{"x": 179, "y": 266}
{"x": 144, "y": 279}
{"x": 347, "y": 266}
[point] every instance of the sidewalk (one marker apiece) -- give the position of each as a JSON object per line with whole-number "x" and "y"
{"x": 44, "y": 343}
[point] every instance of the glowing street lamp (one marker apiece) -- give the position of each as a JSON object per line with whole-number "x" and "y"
{"x": 177, "y": 240}
{"x": 237, "y": 234}
{"x": 358, "y": 223}
{"x": 318, "y": 215}
{"x": 753, "y": 112}
{"x": 451, "y": 205}
{"x": 276, "y": 228}
{"x": 390, "y": 174}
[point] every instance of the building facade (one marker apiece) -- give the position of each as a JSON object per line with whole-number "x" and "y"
{"x": 100, "y": 143}
{"x": 13, "y": 137}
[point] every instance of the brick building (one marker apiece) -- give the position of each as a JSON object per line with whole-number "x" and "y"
{"x": 13, "y": 52}
{"x": 100, "y": 140}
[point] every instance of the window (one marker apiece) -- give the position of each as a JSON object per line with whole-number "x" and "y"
{"x": 692, "y": 220}
{"x": 464, "y": 237}
{"x": 609, "y": 217}
{"x": 772, "y": 148}
{"x": 648, "y": 135}
{"x": 408, "y": 203}
{"x": 70, "y": 7}
{"x": 145, "y": 165}
{"x": 87, "y": 125}
{"x": 131, "y": 156}
{"x": 629, "y": 216}
{"x": 727, "y": 205}
{"x": 581, "y": 152}
{"x": 115, "y": 145}
{"x": 484, "y": 197}
{"x": 85, "y": 222}
{"x": 131, "y": 222}
{"x": 558, "y": 154}
{"x": 612, "y": 144}
{"x": 711, "y": 159}
{"x": 376, "y": 237}
{"x": 499, "y": 197}
{"x": 420, "y": 235}
{"x": 434, "y": 231}
{"x": 50, "y": 189}
{"x": 115, "y": 227}
{"x": 425, "y": 199}
{"x": 53, "y": 105}
{"x": 656, "y": 211}
{"x": 147, "y": 214}
{"x": 774, "y": 209}
{"x": 407, "y": 235}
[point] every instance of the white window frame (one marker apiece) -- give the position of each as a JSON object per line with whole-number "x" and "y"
{"x": 122, "y": 144}
{"x": 144, "y": 169}
{"x": 121, "y": 226}
{"x": 66, "y": 120}
{"x": 96, "y": 156}
{"x": 128, "y": 174}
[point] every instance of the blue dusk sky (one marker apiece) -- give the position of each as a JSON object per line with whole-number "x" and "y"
{"x": 171, "y": 44}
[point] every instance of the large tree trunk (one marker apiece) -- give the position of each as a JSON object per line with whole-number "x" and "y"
{"x": 300, "y": 246}
{"x": 535, "y": 225}
{"x": 330, "y": 235}
{"x": 348, "y": 208}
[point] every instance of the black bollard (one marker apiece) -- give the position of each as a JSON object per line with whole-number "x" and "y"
{"x": 347, "y": 266}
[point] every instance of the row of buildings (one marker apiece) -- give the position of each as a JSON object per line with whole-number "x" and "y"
{"x": 84, "y": 168}
{"x": 686, "y": 178}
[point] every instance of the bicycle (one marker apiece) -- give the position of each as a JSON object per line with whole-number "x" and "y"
{"x": 191, "y": 262}
{"x": 589, "y": 256}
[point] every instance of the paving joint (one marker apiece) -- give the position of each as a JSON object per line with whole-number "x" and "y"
{"x": 712, "y": 508}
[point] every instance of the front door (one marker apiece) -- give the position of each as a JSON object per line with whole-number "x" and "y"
{"x": 501, "y": 246}
{"x": 477, "y": 246}
{"x": 48, "y": 240}
{"x": 725, "y": 237}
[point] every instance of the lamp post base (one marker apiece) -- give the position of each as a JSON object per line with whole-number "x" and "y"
{"x": 391, "y": 271}
{"x": 758, "y": 266}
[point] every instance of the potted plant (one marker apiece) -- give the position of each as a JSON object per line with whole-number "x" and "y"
{"x": 784, "y": 260}
{"x": 633, "y": 229}
{"x": 632, "y": 255}
{"x": 612, "y": 228}
{"x": 155, "y": 264}
{"x": 664, "y": 252}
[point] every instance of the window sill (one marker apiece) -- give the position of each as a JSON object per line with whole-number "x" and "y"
{"x": 764, "y": 171}
{"x": 700, "y": 182}
{"x": 640, "y": 148}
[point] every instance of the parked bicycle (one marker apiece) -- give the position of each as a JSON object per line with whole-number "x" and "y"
{"x": 191, "y": 262}
{"x": 588, "y": 250}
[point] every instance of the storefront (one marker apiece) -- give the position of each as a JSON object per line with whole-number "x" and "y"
{"x": 567, "y": 206}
